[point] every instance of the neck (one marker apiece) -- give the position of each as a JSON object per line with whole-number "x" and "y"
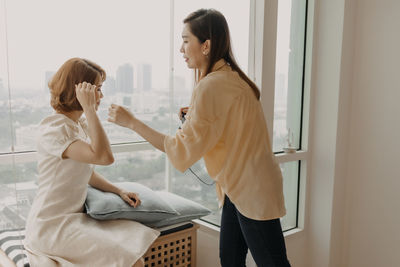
{"x": 73, "y": 115}
{"x": 202, "y": 73}
{"x": 203, "y": 69}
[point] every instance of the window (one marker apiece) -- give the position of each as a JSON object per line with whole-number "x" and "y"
{"x": 286, "y": 107}
{"x": 146, "y": 167}
{"x": 5, "y": 123}
{"x": 138, "y": 46}
{"x": 137, "y": 67}
{"x": 289, "y": 73}
{"x": 288, "y": 102}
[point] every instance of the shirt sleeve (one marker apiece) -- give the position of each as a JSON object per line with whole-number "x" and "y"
{"x": 202, "y": 129}
{"x": 55, "y": 137}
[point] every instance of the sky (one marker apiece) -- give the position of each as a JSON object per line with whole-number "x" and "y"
{"x": 43, "y": 34}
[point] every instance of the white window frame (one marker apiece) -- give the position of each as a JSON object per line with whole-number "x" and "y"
{"x": 262, "y": 55}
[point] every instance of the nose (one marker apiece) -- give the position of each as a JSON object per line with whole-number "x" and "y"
{"x": 181, "y": 49}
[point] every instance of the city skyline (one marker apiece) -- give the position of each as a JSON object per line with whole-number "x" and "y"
{"x": 146, "y": 104}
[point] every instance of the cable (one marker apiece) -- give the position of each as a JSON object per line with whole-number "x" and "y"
{"x": 201, "y": 180}
{"x": 190, "y": 169}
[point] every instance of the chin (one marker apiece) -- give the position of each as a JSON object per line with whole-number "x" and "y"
{"x": 190, "y": 66}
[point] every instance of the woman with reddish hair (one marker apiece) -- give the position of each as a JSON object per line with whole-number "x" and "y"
{"x": 58, "y": 232}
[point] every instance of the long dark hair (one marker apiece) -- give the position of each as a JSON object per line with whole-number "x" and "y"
{"x": 210, "y": 24}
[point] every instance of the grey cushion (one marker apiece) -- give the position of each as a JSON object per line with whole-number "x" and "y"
{"x": 106, "y": 206}
{"x": 187, "y": 209}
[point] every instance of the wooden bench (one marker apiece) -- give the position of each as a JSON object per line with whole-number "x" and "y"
{"x": 176, "y": 246}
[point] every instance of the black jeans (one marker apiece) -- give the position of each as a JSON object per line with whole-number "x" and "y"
{"x": 239, "y": 233}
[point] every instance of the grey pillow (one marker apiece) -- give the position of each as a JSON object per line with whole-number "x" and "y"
{"x": 187, "y": 209}
{"x": 107, "y": 206}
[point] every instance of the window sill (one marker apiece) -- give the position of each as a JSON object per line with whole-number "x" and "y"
{"x": 292, "y": 232}
{"x": 207, "y": 227}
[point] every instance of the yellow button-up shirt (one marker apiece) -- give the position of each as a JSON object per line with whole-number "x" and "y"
{"x": 225, "y": 124}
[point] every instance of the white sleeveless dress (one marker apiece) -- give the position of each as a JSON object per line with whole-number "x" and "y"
{"x": 58, "y": 233}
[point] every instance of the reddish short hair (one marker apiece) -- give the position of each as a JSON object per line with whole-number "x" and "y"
{"x": 72, "y": 72}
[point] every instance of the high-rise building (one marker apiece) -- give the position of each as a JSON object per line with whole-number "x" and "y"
{"x": 109, "y": 86}
{"x": 144, "y": 77}
{"x": 124, "y": 78}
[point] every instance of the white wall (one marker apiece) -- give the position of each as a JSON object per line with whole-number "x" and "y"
{"x": 355, "y": 177}
{"x": 373, "y": 177}
{"x": 326, "y": 77}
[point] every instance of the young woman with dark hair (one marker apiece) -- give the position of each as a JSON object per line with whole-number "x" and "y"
{"x": 58, "y": 232}
{"x": 225, "y": 125}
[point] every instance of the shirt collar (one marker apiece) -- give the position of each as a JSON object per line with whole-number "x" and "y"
{"x": 218, "y": 65}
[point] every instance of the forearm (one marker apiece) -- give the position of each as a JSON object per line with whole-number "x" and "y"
{"x": 152, "y": 136}
{"x": 99, "y": 141}
{"x": 101, "y": 183}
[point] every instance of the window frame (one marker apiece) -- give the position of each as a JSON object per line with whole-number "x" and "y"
{"x": 262, "y": 60}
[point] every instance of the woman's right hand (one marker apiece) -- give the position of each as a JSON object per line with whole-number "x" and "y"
{"x": 86, "y": 95}
{"x": 121, "y": 116}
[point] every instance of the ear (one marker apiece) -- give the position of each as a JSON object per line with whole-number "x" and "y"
{"x": 206, "y": 47}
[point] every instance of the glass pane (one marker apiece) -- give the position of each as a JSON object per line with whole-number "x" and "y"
{"x": 289, "y": 73}
{"x": 17, "y": 191}
{"x": 196, "y": 185}
{"x": 144, "y": 167}
{"x": 290, "y": 172}
{"x": 121, "y": 36}
{"x": 18, "y": 185}
{"x": 5, "y": 126}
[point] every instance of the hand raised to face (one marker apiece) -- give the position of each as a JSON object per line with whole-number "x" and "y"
{"x": 86, "y": 95}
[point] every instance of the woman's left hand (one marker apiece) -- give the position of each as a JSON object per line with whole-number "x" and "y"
{"x": 130, "y": 197}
